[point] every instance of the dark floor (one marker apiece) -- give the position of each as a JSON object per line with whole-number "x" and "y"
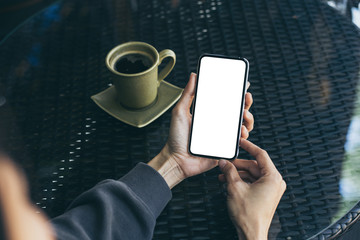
{"x": 14, "y": 12}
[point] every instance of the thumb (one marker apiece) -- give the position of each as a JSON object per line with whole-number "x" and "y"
{"x": 189, "y": 92}
{"x": 229, "y": 170}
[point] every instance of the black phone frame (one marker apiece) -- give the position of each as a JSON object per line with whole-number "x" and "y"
{"x": 242, "y": 104}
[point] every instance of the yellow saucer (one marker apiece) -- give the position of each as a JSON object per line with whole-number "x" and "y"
{"x": 168, "y": 94}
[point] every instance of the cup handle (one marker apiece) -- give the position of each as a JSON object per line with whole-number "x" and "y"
{"x": 167, "y": 69}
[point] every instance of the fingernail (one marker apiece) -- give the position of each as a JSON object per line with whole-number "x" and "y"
{"x": 222, "y": 163}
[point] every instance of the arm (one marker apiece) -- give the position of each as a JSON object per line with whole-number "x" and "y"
{"x": 123, "y": 209}
{"x": 128, "y": 208}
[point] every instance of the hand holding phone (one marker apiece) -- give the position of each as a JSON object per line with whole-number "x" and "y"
{"x": 175, "y": 162}
{"x": 218, "y": 106}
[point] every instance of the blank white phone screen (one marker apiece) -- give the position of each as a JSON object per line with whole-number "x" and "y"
{"x": 218, "y": 107}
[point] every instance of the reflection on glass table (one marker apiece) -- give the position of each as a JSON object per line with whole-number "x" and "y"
{"x": 350, "y": 175}
{"x": 349, "y": 8}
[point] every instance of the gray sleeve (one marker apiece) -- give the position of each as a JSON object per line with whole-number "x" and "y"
{"x": 123, "y": 209}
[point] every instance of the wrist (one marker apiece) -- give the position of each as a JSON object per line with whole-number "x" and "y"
{"x": 252, "y": 233}
{"x": 167, "y": 167}
{"x": 255, "y": 236}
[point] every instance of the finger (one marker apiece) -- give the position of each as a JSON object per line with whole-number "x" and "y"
{"x": 250, "y": 166}
{"x": 10, "y": 168}
{"x": 260, "y": 155}
{"x": 222, "y": 178}
{"x": 248, "y": 120}
{"x": 229, "y": 170}
{"x": 245, "y": 176}
{"x": 244, "y": 132}
{"x": 247, "y": 85}
{"x": 189, "y": 91}
{"x": 248, "y": 100}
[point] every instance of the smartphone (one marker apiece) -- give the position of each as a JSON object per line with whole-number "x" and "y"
{"x": 218, "y": 106}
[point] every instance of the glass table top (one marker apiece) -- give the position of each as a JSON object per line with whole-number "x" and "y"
{"x": 304, "y": 72}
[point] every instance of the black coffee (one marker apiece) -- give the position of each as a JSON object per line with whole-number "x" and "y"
{"x": 133, "y": 63}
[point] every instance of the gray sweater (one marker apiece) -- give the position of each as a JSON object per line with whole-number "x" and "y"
{"x": 116, "y": 209}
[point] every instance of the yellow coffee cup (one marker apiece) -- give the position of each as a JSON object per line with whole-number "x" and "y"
{"x": 134, "y": 72}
